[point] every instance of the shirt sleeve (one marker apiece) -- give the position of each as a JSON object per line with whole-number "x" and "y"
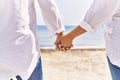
{"x": 51, "y": 16}
{"x": 99, "y": 12}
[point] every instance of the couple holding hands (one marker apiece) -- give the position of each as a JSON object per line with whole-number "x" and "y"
{"x": 19, "y": 50}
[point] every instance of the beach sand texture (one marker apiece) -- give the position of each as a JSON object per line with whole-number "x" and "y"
{"x": 77, "y": 64}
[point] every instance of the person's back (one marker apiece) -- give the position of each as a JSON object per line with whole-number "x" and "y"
{"x": 112, "y": 31}
{"x": 101, "y": 12}
{"x": 17, "y": 41}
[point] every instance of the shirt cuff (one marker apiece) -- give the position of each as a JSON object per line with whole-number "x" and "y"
{"x": 57, "y": 31}
{"x": 87, "y": 27}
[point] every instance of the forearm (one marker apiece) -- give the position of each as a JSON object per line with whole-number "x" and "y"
{"x": 101, "y": 11}
{"x": 51, "y": 16}
{"x": 76, "y": 32}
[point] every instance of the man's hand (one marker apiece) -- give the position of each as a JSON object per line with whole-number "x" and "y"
{"x": 63, "y": 43}
{"x": 57, "y": 41}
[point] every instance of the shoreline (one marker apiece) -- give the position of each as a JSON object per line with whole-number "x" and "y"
{"x": 76, "y": 48}
{"x": 44, "y": 50}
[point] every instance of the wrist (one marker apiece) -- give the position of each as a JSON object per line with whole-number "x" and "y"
{"x": 70, "y": 36}
{"x": 60, "y": 34}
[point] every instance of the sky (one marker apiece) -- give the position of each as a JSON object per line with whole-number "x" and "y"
{"x": 72, "y": 11}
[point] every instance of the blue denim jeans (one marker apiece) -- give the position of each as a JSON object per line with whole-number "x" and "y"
{"x": 115, "y": 70}
{"x": 37, "y": 73}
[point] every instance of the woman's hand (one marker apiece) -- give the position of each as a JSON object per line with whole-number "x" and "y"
{"x": 64, "y": 43}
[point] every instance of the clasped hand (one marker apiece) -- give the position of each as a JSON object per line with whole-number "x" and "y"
{"x": 63, "y": 42}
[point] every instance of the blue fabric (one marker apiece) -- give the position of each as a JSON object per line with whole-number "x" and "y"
{"x": 115, "y": 70}
{"x": 18, "y": 78}
{"x": 37, "y": 73}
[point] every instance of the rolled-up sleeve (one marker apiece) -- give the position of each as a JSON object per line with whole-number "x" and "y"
{"x": 99, "y": 12}
{"x": 51, "y": 16}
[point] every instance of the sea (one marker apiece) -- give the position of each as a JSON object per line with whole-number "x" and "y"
{"x": 87, "y": 40}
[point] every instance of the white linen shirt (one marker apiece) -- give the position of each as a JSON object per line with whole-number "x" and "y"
{"x": 19, "y": 49}
{"x": 106, "y": 12}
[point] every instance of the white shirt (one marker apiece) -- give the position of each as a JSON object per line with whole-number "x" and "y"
{"x": 19, "y": 49}
{"x": 106, "y": 12}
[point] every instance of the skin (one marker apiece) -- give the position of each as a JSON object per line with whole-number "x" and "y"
{"x": 65, "y": 42}
{"x": 57, "y": 42}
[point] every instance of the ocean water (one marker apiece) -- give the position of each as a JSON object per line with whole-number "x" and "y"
{"x": 86, "y": 40}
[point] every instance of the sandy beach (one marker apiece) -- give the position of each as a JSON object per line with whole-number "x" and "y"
{"x": 76, "y": 64}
